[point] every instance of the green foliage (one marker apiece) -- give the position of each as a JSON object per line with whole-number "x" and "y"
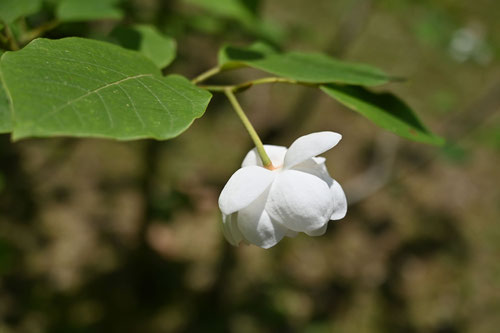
{"x": 10, "y": 10}
{"x": 81, "y": 87}
{"x": 149, "y": 41}
{"x": 305, "y": 67}
{"x": 244, "y": 12}
{"x": 237, "y": 9}
{"x": 78, "y": 10}
{"x": 5, "y": 117}
{"x": 385, "y": 110}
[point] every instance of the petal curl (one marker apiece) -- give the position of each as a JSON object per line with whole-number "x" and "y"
{"x": 244, "y": 186}
{"x": 230, "y": 229}
{"x": 257, "y": 227}
{"x": 339, "y": 201}
{"x": 318, "y": 232}
{"x": 275, "y": 153}
{"x": 316, "y": 166}
{"x": 300, "y": 201}
{"x": 310, "y": 145}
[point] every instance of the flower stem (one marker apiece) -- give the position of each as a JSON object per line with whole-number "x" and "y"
{"x": 266, "y": 161}
{"x": 205, "y": 75}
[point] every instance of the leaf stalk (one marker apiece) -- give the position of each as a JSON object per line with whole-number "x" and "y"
{"x": 236, "y": 88}
{"x": 205, "y": 75}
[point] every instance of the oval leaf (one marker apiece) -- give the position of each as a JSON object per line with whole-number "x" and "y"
{"x": 305, "y": 67}
{"x": 385, "y": 110}
{"x": 82, "y": 87}
{"x": 78, "y": 10}
{"x": 148, "y": 41}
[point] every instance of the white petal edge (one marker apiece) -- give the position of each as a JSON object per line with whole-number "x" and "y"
{"x": 310, "y": 145}
{"x": 339, "y": 201}
{"x": 244, "y": 186}
{"x": 300, "y": 201}
{"x": 230, "y": 229}
{"x": 318, "y": 232}
{"x": 315, "y": 166}
{"x": 257, "y": 227}
{"x": 275, "y": 153}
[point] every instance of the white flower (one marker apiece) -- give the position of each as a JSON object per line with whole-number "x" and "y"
{"x": 261, "y": 206}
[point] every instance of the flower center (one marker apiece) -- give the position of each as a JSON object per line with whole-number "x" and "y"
{"x": 274, "y": 168}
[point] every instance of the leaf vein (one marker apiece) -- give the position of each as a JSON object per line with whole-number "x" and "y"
{"x": 94, "y": 91}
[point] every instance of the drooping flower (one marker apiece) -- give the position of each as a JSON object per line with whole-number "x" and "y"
{"x": 261, "y": 206}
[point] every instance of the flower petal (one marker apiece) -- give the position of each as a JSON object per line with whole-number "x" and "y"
{"x": 275, "y": 153}
{"x": 318, "y": 232}
{"x": 315, "y": 166}
{"x": 310, "y": 145}
{"x": 300, "y": 201}
{"x": 339, "y": 201}
{"x": 230, "y": 229}
{"x": 244, "y": 186}
{"x": 257, "y": 227}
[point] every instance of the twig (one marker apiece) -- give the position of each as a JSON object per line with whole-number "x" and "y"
{"x": 39, "y": 31}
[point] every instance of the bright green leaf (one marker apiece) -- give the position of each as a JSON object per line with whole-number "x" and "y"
{"x": 305, "y": 67}
{"x": 10, "y": 10}
{"x": 385, "y": 110}
{"x": 85, "y": 10}
{"x": 82, "y": 87}
{"x": 148, "y": 41}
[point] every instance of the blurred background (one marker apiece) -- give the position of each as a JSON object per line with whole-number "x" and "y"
{"x": 106, "y": 236}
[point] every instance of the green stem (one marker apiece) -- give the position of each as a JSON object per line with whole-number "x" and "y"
{"x": 245, "y": 85}
{"x": 266, "y": 161}
{"x": 205, "y": 75}
{"x": 39, "y": 31}
{"x": 13, "y": 44}
{"x": 3, "y": 39}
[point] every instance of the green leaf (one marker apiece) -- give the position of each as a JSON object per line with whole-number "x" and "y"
{"x": 305, "y": 67}
{"x": 10, "y": 10}
{"x": 5, "y": 116}
{"x": 385, "y": 110}
{"x": 85, "y": 10}
{"x": 82, "y": 87}
{"x": 245, "y": 12}
{"x": 236, "y": 9}
{"x": 148, "y": 41}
